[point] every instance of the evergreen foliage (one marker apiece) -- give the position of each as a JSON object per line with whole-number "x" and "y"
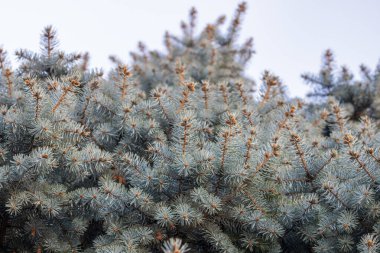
{"x": 191, "y": 164}
{"x": 212, "y": 55}
{"x": 361, "y": 97}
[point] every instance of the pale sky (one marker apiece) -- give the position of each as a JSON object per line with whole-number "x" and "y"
{"x": 289, "y": 35}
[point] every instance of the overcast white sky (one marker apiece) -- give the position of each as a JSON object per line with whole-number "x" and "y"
{"x": 289, "y": 35}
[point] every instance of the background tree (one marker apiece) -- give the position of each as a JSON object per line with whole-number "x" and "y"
{"x": 209, "y": 55}
{"x": 361, "y": 96}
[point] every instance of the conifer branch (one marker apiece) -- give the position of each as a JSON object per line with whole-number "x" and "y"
{"x": 270, "y": 82}
{"x": 180, "y": 71}
{"x": 38, "y": 98}
{"x": 157, "y": 96}
{"x": 48, "y": 40}
{"x": 223, "y": 89}
{"x": 332, "y": 156}
{"x": 186, "y": 125}
{"x": 242, "y": 94}
{"x": 249, "y": 146}
{"x": 93, "y": 86}
{"x": 295, "y": 140}
{"x": 330, "y": 189}
{"x": 226, "y": 135}
{"x": 205, "y": 89}
{"x": 355, "y": 156}
{"x": 190, "y": 88}
{"x": 339, "y": 118}
{"x": 371, "y": 153}
{"x": 236, "y": 22}
{"x": 7, "y": 74}
{"x": 192, "y": 20}
{"x": 254, "y": 202}
{"x": 66, "y": 90}
{"x": 125, "y": 74}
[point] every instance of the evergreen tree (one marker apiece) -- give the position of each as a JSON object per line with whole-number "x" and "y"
{"x": 98, "y": 164}
{"x": 361, "y": 96}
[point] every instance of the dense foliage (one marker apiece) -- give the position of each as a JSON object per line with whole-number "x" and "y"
{"x": 173, "y": 159}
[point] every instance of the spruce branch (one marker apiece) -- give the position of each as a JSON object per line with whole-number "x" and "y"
{"x": 66, "y": 89}
{"x": 49, "y": 40}
{"x": 7, "y": 74}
